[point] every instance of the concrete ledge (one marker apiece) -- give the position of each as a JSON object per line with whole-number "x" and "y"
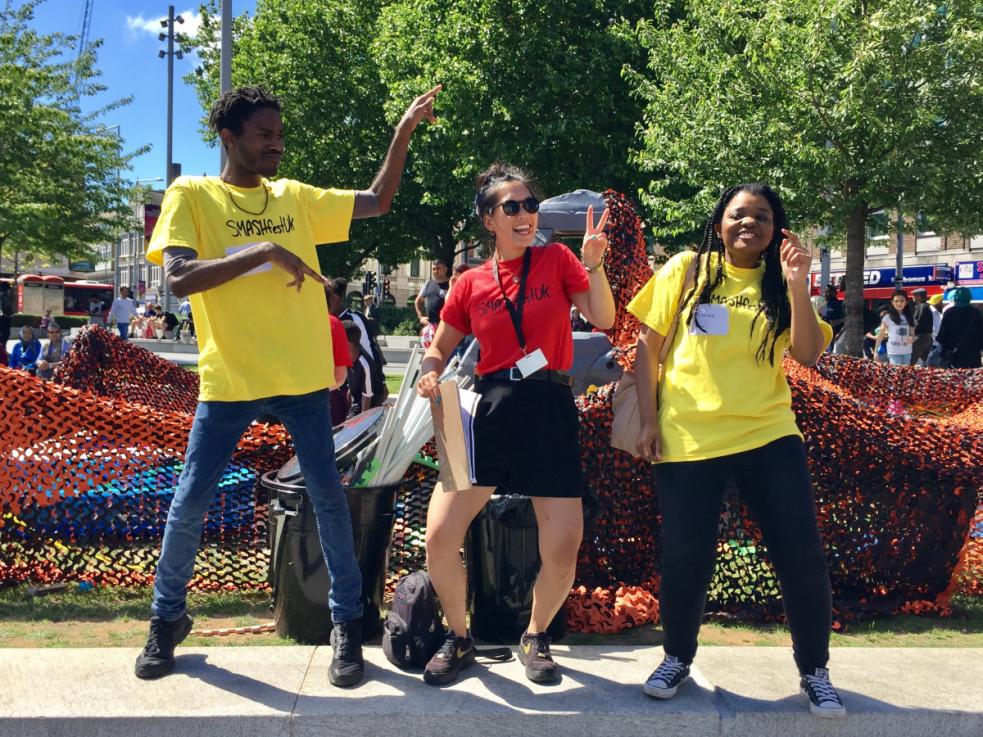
{"x": 281, "y": 691}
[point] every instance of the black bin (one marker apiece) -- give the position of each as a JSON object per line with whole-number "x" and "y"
{"x": 502, "y": 555}
{"x": 297, "y": 573}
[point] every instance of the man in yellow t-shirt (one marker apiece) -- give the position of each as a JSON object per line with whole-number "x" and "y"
{"x": 242, "y": 248}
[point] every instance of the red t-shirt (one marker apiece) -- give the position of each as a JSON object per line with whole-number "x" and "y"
{"x": 339, "y": 343}
{"x": 475, "y": 305}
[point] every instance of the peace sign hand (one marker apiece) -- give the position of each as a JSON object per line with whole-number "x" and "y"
{"x": 595, "y": 240}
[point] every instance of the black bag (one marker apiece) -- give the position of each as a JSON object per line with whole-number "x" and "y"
{"x": 413, "y": 631}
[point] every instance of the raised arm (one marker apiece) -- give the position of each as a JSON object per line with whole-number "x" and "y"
{"x": 597, "y": 303}
{"x": 187, "y": 274}
{"x": 377, "y": 199}
{"x": 807, "y": 341}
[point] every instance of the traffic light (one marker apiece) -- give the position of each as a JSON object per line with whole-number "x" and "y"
{"x": 368, "y": 286}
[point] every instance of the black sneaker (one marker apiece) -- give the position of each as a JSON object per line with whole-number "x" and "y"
{"x": 534, "y": 653}
{"x": 347, "y": 666}
{"x": 822, "y": 697}
{"x": 666, "y": 679}
{"x": 157, "y": 658}
{"x": 456, "y": 654}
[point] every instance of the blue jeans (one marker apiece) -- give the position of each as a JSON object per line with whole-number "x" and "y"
{"x": 124, "y": 329}
{"x": 216, "y": 431}
{"x": 901, "y": 359}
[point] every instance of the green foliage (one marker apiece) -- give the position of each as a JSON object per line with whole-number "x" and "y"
{"x": 843, "y": 106}
{"x": 391, "y": 316}
{"x": 537, "y": 83}
{"x": 60, "y": 190}
{"x": 534, "y": 82}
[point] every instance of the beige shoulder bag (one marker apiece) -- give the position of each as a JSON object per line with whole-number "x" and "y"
{"x": 626, "y": 426}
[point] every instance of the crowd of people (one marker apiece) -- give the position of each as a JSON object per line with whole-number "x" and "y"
{"x": 915, "y": 330}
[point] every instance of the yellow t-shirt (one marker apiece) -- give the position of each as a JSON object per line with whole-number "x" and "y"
{"x": 256, "y": 337}
{"x": 715, "y": 398}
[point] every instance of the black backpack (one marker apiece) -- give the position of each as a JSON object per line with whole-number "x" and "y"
{"x": 414, "y": 631}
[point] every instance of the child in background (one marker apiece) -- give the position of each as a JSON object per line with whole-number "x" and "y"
{"x": 363, "y": 391}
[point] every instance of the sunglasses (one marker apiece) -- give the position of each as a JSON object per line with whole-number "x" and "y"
{"x": 511, "y": 207}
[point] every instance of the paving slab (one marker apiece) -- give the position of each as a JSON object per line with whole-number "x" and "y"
{"x": 601, "y": 687}
{"x": 241, "y": 692}
{"x": 902, "y": 692}
{"x": 283, "y": 691}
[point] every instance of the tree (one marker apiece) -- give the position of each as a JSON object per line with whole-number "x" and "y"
{"x": 60, "y": 189}
{"x": 844, "y": 106}
{"x": 538, "y": 83}
{"x": 334, "y": 123}
{"x": 535, "y": 82}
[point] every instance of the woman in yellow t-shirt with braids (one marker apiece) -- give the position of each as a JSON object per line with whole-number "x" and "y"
{"x": 724, "y": 411}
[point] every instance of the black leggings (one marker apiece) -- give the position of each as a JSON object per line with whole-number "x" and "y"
{"x": 774, "y": 481}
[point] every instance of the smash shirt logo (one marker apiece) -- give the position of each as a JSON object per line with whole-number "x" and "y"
{"x": 261, "y": 226}
{"x": 740, "y": 302}
{"x": 533, "y": 294}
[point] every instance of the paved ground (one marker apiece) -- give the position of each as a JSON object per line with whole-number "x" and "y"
{"x": 279, "y": 691}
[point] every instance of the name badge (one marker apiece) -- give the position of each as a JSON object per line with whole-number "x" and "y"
{"x": 258, "y": 270}
{"x": 531, "y": 363}
{"x": 713, "y": 320}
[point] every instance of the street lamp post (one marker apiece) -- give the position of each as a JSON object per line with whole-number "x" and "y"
{"x": 170, "y": 54}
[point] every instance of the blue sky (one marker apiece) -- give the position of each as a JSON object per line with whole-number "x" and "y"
{"x": 131, "y": 68}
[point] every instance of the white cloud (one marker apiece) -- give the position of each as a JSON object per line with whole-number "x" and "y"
{"x": 137, "y": 25}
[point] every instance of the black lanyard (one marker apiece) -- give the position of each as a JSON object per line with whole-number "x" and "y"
{"x": 515, "y": 310}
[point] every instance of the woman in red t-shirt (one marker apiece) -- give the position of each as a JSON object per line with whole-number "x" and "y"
{"x": 517, "y": 305}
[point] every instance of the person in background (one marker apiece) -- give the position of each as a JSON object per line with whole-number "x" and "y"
{"x": 872, "y": 349}
{"x": 45, "y": 319}
{"x": 961, "y": 331}
{"x": 898, "y": 329}
{"x": 431, "y": 298}
{"x": 363, "y": 387}
{"x": 336, "y": 289}
{"x": 342, "y": 363}
{"x": 4, "y": 333}
{"x": 922, "y": 312}
{"x": 371, "y": 315}
{"x": 95, "y": 311}
{"x": 936, "y": 301}
{"x": 26, "y": 352}
{"x": 122, "y": 311}
{"x": 53, "y": 353}
{"x": 170, "y": 322}
{"x": 833, "y": 313}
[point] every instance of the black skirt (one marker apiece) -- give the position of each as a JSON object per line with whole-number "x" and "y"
{"x": 526, "y": 439}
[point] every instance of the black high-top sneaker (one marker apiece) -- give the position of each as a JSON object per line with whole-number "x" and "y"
{"x": 157, "y": 658}
{"x": 347, "y": 666}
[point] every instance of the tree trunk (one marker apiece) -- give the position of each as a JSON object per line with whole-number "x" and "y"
{"x": 856, "y": 243}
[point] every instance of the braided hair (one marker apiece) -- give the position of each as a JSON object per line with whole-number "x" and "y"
{"x": 775, "y": 307}
{"x": 235, "y": 107}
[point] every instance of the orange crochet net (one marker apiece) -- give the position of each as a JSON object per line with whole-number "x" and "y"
{"x": 89, "y": 464}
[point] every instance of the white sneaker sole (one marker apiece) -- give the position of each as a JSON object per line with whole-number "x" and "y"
{"x": 662, "y": 693}
{"x": 824, "y": 712}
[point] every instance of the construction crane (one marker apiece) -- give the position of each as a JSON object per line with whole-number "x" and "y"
{"x": 84, "y": 31}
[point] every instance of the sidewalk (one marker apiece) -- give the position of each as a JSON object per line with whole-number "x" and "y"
{"x": 281, "y": 691}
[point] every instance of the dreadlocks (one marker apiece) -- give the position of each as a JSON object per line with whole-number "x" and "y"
{"x": 775, "y": 305}
{"x": 234, "y": 107}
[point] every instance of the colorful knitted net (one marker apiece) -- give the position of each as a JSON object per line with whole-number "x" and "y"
{"x": 89, "y": 464}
